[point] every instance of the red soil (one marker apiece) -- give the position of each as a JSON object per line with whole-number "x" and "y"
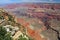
{"x": 34, "y": 34}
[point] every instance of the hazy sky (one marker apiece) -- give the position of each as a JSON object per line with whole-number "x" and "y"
{"x": 21, "y": 1}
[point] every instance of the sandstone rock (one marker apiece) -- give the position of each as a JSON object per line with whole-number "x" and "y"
{"x": 49, "y": 34}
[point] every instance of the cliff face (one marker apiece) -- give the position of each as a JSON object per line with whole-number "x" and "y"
{"x": 48, "y": 28}
{"x": 42, "y": 21}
